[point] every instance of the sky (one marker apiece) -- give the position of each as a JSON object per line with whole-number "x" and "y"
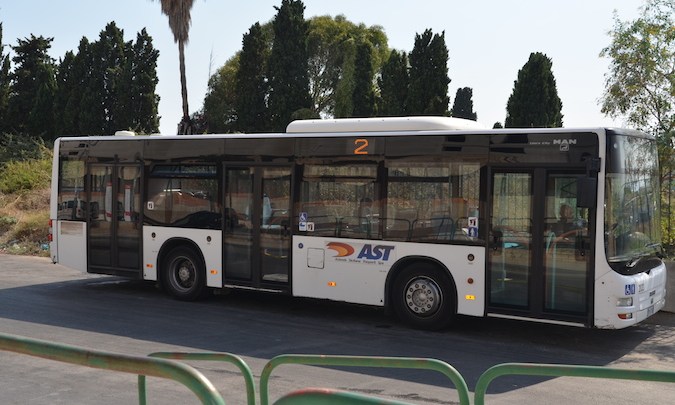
{"x": 488, "y": 41}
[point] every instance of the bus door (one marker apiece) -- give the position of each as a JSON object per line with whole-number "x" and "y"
{"x": 257, "y": 230}
{"x": 114, "y": 242}
{"x": 540, "y": 246}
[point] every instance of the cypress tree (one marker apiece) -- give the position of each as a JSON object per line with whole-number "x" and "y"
{"x": 289, "y": 83}
{"x": 144, "y": 100}
{"x": 534, "y": 101}
{"x": 363, "y": 96}
{"x": 251, "y": 85}
{"x": 393, "y": 84}
{"x": 30, "y": 106}
{"x": 463, "y": 106}
{"x": 428, "y": 89}
{"x": 4, "y": 86}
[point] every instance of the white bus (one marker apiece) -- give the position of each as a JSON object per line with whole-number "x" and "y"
{"x": 429, "y": 217}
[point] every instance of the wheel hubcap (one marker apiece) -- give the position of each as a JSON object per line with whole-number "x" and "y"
{"x": 423, "y": 296}
{"x": 184, "y": 274}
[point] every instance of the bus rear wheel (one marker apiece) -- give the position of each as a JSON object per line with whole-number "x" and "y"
{"x": 184, "y": 274}
{"x": 423, "y": 297}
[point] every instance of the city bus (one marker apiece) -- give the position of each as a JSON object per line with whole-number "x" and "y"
{"x": 427, "y": 217}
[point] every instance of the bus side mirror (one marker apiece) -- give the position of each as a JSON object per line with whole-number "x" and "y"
{"x": 587, "y": 192}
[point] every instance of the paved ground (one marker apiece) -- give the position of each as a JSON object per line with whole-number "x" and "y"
{"x": 46, "y": 301}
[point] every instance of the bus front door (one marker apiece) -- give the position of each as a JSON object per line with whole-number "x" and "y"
{"x": 540, "y": 247}
{"x": 257, "y": 232}
{"x": 114, "y": 242}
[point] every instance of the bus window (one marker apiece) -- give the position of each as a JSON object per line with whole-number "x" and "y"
{"x": 432, "y": 201}
{"x": 341, "y": 201}
{"x": 187, "y": 198}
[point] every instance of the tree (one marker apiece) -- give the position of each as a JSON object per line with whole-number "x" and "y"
{"x": 428, "y": 88}
{"x": 640, "y": 85}
{"x": 534, "y": 101}
{"x": 220, "y": 111}
{"x": 463, "y": 106}
{"x": 393, "y": 84}
{"x": 30, "y": 108}
{"x": 178, "y": 12}
{"x": 4, "y": 85}
{"x": 289, "y": 83}
{"x": 251, "y": 83}
{"x": 364, "y": 95}
{"x": 331, "y": 47}
{"x": 109, "y": 85}
{"x": 144, "y": 101}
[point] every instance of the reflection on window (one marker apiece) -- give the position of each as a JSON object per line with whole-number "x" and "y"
{"x": 632, "y": 200}
{"x": 432, "y": 201}
{"x": 341, "y": 201}
{"x": 72, "y": 205}
{"x": 190, "y": 202}
{"x": 425, "y": 201}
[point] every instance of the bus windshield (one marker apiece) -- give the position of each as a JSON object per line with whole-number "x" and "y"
{"x": 632, "y": 222}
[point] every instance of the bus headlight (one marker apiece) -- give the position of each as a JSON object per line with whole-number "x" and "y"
{"x": 624, "y": 302}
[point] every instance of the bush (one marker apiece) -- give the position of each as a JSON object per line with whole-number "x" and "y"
{"x": 23, "y": 175}
{"x": 6, "y": 223}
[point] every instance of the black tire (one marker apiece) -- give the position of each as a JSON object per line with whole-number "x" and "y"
{"x": 184, "y": 274}
{"x": 424, "y": 297}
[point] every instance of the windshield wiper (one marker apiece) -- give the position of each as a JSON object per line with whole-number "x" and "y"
{"x": 633, "y": 261}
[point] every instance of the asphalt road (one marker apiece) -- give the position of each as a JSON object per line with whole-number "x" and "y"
{"x": 45, "y": 301}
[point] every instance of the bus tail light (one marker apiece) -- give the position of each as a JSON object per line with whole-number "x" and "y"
{"x": 624, "y": 302}
{"x": 626, "y": 316}
{"x": 50, "y": 235}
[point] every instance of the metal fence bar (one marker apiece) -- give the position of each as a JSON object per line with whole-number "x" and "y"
{"x": 565, "y": 370}
{"x": 182, "y": 373}
{"x": 364, "y": 361}
{"x": 319, "y": 396}
{"x": 222, "y": 357}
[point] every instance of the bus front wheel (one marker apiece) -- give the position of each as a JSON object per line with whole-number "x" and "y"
{"x": 184, "y": 274}
{"x": 423, "y": 296}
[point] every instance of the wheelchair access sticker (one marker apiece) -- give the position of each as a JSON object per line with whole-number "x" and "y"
{"x": 630, "y": 289}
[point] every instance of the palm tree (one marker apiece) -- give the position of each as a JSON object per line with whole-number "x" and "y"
{"x": 178, "y": 12}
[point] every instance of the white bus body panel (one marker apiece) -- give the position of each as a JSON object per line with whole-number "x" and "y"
{"x": 209, "y": 242}
{"x": 356, "y": 271}
{"x": 70, "y": 245}
{"x": 647, "y": 290}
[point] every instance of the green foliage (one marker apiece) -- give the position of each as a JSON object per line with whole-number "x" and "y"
{"x": 393, "y": 84}
{"x": 220, "y": 101}
{"x": 288, "y": 79}
{"x": 534, "y": 101}
{"x": 109, "y": 85}
{"x": 4, "y": 86}
{"x": 20, "y": 147}
{"x": 30, "y": 104}
{"x": 6, "y": 223}
{"x": 364, "y": 95}
{"x": 251, "y": 83}
{"x": 331, "y": 46}
{"x": 640, "y": 85}
{"x": 23, "y": 175}
{"x": 428, "y": 89}
{"x": 463, "y": 106}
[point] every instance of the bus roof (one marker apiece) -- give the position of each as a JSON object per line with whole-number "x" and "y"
{"x": 382, "y": 124}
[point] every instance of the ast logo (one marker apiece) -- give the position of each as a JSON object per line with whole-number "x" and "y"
{"x": 367, "y": 253}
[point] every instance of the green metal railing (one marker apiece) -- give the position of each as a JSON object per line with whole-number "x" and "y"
{"x": 564, "y": 370}
{"x": 161, "y": 368}
{"x": 222, "y": 357}
{"x": 364, "y": 361}
{"x": 162, "y": 365}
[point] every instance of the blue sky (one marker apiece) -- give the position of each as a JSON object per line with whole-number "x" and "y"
{"x": 488, "y": 41}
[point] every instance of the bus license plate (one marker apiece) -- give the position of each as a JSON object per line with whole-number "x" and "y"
{"x": 650, "y": 311}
